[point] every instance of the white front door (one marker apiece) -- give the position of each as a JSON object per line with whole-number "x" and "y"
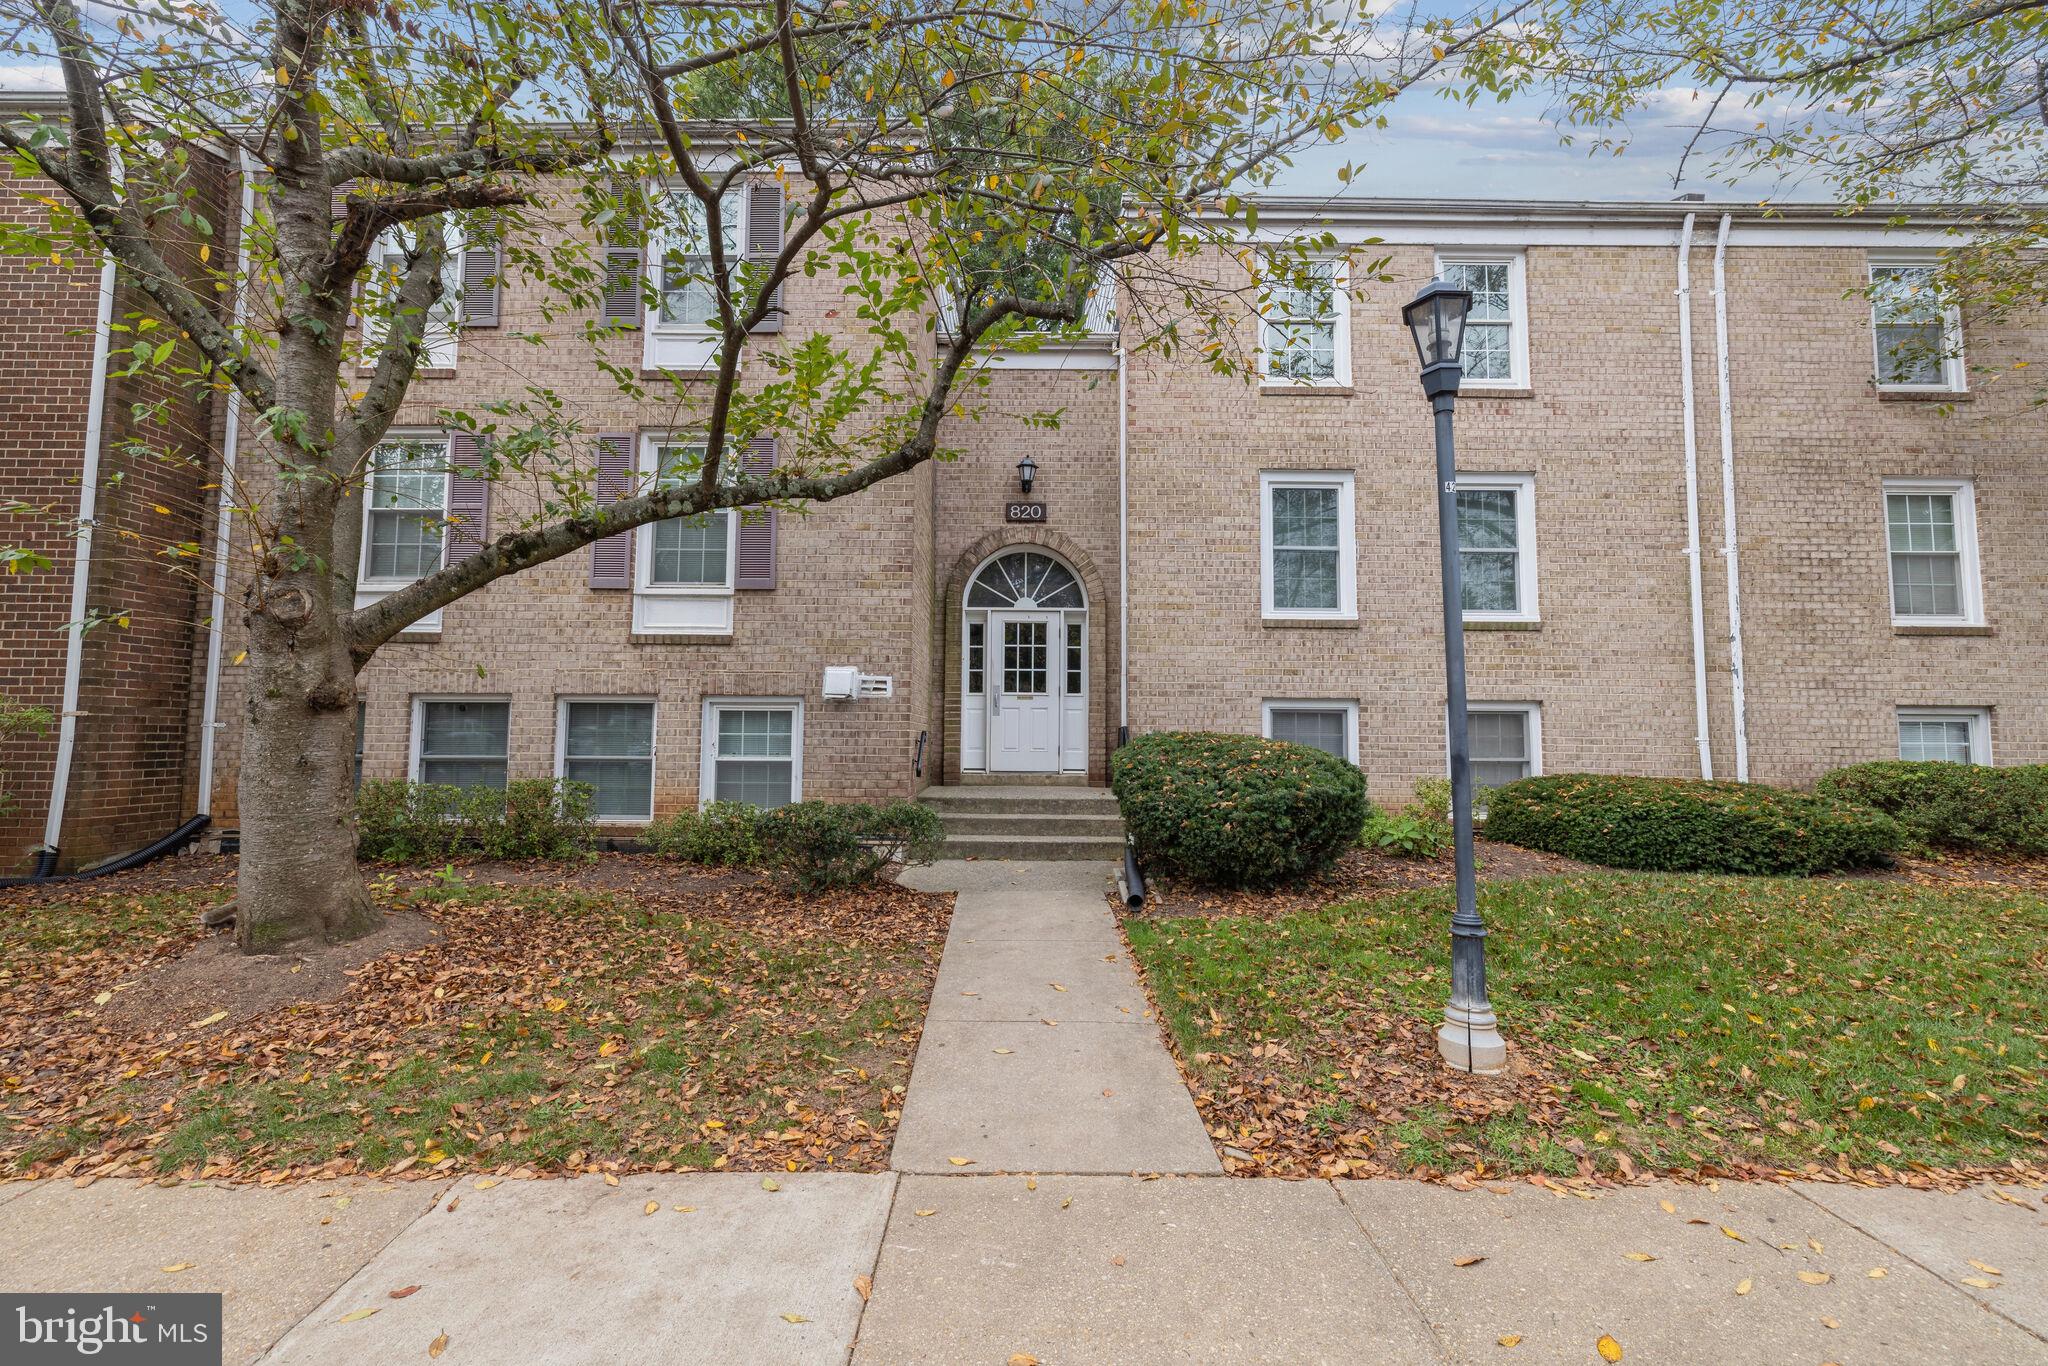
{"x": 1024, "y": 692}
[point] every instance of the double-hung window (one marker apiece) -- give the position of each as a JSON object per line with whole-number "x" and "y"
{"x": 1955, "y": 735}
{"x": 1309, "y": 554}
{"x": 405, "y": 514}
{"x": 689, "y": 276}
{"x": 1305, "y": 323}
{"x": 608, "y": 744}
{"x": 1506, "y": 740}
{"x": 1931, "y": 540}
{"x": 753, "y": 751}
{"x": 1496, "y": 351}
{"x": 684, "y": 565}
{"x": 461, "y": 741}
{"x": 1917, "y": 333}
{"x": 1497, "y": 546}
{"x": 1328, "y": 726}
{"x": 390, "y": 258}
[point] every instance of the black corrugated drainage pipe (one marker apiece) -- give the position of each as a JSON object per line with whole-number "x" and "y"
{"x": 46, "y": 860}
{"x": 1134, "y": 878}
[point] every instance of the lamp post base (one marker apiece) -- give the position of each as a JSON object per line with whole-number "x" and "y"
{"x": 1470, "y": 1041}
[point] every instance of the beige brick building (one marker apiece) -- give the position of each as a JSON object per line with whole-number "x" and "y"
{"x": 1207, "y": 551}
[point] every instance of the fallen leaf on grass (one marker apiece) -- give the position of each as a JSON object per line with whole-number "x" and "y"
{"x": 1743, "y": 1287}
{"x": 404, "y": 1290}
{"x": 356, "y": 1315}
{"x": 1509, "y": 1339}
{"x": 1467, "y": 1260}
{"x": 437, "y": 1346}
{"x": 863, "y": 1286}
{"x": 1608, "y": 1348}
{"x": 176, "y": 1267}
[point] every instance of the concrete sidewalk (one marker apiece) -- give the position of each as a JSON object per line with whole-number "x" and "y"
{"x": 1066, "y": 1269}
{"x": 1039, "y": 1051}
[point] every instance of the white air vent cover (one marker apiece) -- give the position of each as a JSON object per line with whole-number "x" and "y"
{"x": 841, "y": 682}
{"x": 877, "y": 685}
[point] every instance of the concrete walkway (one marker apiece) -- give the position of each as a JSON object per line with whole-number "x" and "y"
{"x": 1039, "y": 1051}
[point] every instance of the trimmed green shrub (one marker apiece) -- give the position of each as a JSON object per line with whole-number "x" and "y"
{"x": 1236, "y": 810}
{"x": 1682, "y": 825}
{"x": 722, "y": 835}
{"x": 1953, "y": 806}
{"x": 1407, "y": 833}
{"x": 401, "y": 822}
{"x": 823, "y": 846}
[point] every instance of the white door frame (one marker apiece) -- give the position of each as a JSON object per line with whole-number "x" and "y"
{"x": 1045, "y": 758}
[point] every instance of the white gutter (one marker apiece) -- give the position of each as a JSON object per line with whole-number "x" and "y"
{"x": 1729, "y": 544}
{"x": 81, "y": 564}
{"x": 231, "y": 433}
{"x": 1692, "y": 502}
{"x": 1123, "y": 542}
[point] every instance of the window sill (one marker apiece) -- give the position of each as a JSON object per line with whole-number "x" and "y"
{"x": 1268, "y": 389}
{"x": 678, "y": 638}
{"x": 1501, "y": 624}
{"x": 416, "y": 637}
{"x": 1924, "y": 395}
{"x": 1489, "y": 391}
{"x": 1959, "y": 629}
{"x": 1309, "y": 623}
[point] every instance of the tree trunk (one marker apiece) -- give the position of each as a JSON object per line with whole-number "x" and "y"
{"x": 298, "y": 878}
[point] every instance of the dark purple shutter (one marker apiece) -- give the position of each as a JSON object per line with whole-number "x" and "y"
{"x": 754, "y": 555}
{"x": 469, "y": 499}
{"x": 483, "y": 269}
{"x": 611, "y": 559}
{"x": 338, "y": 204}
{"x": 764, "y": 244}
{"x": 625, "y": 253}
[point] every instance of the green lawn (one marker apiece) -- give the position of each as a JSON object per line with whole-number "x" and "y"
{"x": 544, "y": 1028}
{"x": 1669, "y": 1022}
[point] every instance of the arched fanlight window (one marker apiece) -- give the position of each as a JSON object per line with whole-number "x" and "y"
{"x": 1025, "y": 578}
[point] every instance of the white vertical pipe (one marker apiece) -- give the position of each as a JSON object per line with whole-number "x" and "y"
{"x": 231, "y": 433}
{"x": 1123, "y": 538}
{"x": 1729, "y": 544}
{"x": 81, "y": 564}
{"x": 1692, "y": 502}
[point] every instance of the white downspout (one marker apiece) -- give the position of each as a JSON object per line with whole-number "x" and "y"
{"x": 1123, "y": 541}
{"x": 81, "y": 565}
{"x": 1692, "y": 502}
{"x": 231, "y": 433}
{"x": 1728, "y": 546}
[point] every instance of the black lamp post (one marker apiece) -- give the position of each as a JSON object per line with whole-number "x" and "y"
{"x": 1027, "y": 472}
{"x": 1469, "y": 1038}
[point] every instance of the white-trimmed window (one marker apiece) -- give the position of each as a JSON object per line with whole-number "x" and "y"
{"x": 1506, "y": 740}
{"x": 608, "y": 743}
{"x": 1330, "y": 726}
{"x": 1497, "y": 546}
{"x": 1305, "y": 323}
{"x": 405, "y": 512}
{"x": 443, "y": 322}
{"x": 1308, "y": 551}
{"x": 753, "y": 750}
{"x": 1496, "y": 351}
{"x": 683, "y": 567}
{"x": 687, "y": 282}
{"x": 461, "y": 741}
{"x": 1955, "y": 735}
{"x": 1918, "y": 335}
{"x": 1931, "y": 544}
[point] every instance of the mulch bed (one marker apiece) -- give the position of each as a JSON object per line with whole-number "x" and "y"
{"x": 1359, "y": 874}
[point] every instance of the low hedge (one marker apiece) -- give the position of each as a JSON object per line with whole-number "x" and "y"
{"x": 401, "y": 822}
{"x": 1953, "y": 806}
{"x": 722, "y": 835}
{"x": 1236, "y": 810}
{"x": 825, "y": 846}
{"x": 1680, "y": 825}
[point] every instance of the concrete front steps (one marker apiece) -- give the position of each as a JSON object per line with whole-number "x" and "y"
{"x": 1020, "y": 821}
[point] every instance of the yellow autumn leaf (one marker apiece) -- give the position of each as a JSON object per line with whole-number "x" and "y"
{"x": 794, "y": 1318}
{"x": 356, "y": 1315}
{"x": 1985, "y": 1268}
{"x": 1979, "y": 1282}
{"x": 214, "y": 1018}
{"x": 1877, "y": 1273}
{"x": 556, "y": 1005}
{"x": 924, "y": 1213}
{"x": 1608, "y": 1348}
{"x": 1509, "y": 1339}
{"x": 1667, "y": 1207}
{"x": 175, "y": 1267}
{"x": 1639, "y": 1257}
{"x": 961, "y": 1161}
{"x": 610, "y": 1180}
{"x": 769, "y": 1183}
{"x": 103, "y": 998}
{"x": 437, "y": 1346}
{"x": 608, "y": 1047}
{"x": 1815, "y": 1277}
{"x": 484, "y": 1183}
{"x": 683, "y": 1209}
{"x": 241, "y": 655}
{"x": 162, "y": 510}
{"x": 1469, "y": 1260}
{"x": 652, "y": 1206}
{"x": 1744, "y": 1287}
{"x": 1733, "y": 1234}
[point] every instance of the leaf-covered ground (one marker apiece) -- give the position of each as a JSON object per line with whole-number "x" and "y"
{"x": 603, "y": 1017}
{"x": 1694, "y": 1025}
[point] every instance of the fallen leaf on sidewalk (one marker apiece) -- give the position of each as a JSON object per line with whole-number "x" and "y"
{"x": 1979, "y": 1282}
{"x": 863, "y": 1286}
{"x": 1031, "y": 1183}
{"x": 794, "y": 1318}
{"x": 1117, "y": 1260}
{"x": 1022, "y": 1359}
{"x": 1608, "y": 1348}
{"x": 1467, "y": 1261}
{"x": 1831, "y": 1323}
{"x": 684, "y": 1209}
{"x": 437, "y": 1346}
{"x": 1055, "y": 986}
{"x": 1987, "y": 1270}
{"x": 1877, "y": 1273}
{"x": 1639, "y": 1256}
{"x": 610, "y": 1180}
{"x": 961, "y": 1161}
{"x": 404, "y": 1290}
{"x": 484, "y": 1183}
{"x": 1815, "y": 1277}
{"x": 1509, "y": 1339}
{"x": 769, "y": 1183}
{"x": 176, "y": 1267}
{"x": 1667, "y": 1207}
{"x": 356, "y": 1315}
{"x": 1733, "y": 1234}
{"x": 1743, "y": 1286}
{"x": 652, "y": 1206}
{"x": 924, "y": 1213}
{"x": 1049, "y": 1024}
{"x": 1006, "y": 1050}
{"x": 1815, "y": 1244}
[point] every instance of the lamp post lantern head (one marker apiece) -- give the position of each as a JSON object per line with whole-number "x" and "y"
{"x": 1027, "y": 472}
{"x": 1436, "y": 319}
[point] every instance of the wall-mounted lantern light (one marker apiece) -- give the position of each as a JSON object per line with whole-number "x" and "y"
{"x": 1027, "y": 471}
